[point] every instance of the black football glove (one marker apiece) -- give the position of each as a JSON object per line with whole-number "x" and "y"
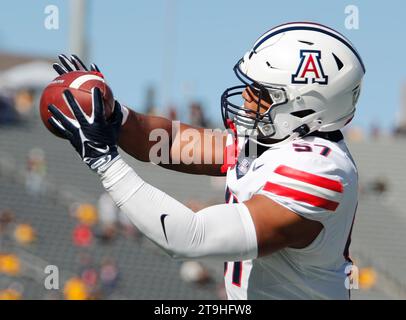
{"x": 94, "y": 137}
{"x": 72, "y": 64}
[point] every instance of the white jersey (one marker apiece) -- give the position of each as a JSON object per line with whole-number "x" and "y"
{"x": 317, "y": 179}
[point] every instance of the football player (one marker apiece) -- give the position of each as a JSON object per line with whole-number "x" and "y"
{"x": 285, "y": 229}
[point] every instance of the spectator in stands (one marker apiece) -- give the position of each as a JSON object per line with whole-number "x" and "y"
{"x": 8, "y": 114}
{"x": 89, "y": 274}
{"x": 82, "y": 236}
{"x": 107, "y": 216}
{"x": 35, "y": 172}
{"x": 127, "y": 228}
{"x": 24, "y": 234}
{"x": 10, "y": 264}
{"x": 354, "y": 134}
{"x": 111, "y": 218}
{"x": 109, "y": 276}
{"x": 13, "y": 292}
{"x": 379, "y": 186}
{"x": 221, "y": 291}
{"x": 400, "y": 129}
{"x": 86, "y": 213}
{"x": 197, "y": 117}
{"x": 150, "y": 106}
{"x": 172, "y": 113}
{"x": 7, "y": 216}
{"x": 375, "y": 131}
{"x": 10, "y": 294}
{"x": 367, "y": 278}
{"x": 75, "y": 289}
{"x": 24, "y": 102}
{"x": 195, "y": 272}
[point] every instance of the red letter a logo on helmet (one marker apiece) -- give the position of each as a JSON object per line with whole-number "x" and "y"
{"x": 310, "y": 68}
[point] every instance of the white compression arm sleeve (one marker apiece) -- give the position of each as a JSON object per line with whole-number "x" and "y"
{"x": 225, "y": 232}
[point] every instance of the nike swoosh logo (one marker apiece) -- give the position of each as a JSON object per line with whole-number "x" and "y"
{"x": 163, "y": 216}
{"x": 255, "y": 168}
{"x": 102, "y": 150}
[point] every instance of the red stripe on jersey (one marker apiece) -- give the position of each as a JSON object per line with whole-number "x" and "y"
{"x": 310, "y": 178}
{"x": 301, "y": 196}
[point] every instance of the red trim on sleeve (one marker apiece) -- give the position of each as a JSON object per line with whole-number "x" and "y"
{"x": 300, "y": 196}
{"x": 310, "y": 178}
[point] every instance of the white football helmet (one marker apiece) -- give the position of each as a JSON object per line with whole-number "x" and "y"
{"x": 310, "y": 73}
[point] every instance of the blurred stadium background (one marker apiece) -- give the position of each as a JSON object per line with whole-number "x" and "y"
{"x": 54, "y": 212}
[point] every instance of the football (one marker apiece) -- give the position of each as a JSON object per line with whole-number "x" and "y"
{"x": 80, "y": 84}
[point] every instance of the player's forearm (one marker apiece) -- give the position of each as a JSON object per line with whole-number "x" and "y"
{"x": 223, "y": 232}
{"x": 135, "y": 134}
{"x": 136, "y": 139}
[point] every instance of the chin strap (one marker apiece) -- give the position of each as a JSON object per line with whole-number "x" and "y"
{"x": 302, "y": 130}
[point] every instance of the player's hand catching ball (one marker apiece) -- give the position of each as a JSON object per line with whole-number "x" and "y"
{"x": 73, "y": 63}
{"x": 94, "y": 137}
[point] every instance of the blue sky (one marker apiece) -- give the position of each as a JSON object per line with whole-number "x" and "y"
{"x": 127, "y": 39}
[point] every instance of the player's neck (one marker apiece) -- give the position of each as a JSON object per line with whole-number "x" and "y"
{"x": 334, "y": 136}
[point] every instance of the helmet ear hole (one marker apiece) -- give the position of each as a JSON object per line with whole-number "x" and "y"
{"x": 302, "y": 113}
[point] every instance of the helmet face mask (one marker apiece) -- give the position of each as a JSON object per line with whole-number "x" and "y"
{"x": 301, "y": 77}
{"x": 253, "y": 120}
